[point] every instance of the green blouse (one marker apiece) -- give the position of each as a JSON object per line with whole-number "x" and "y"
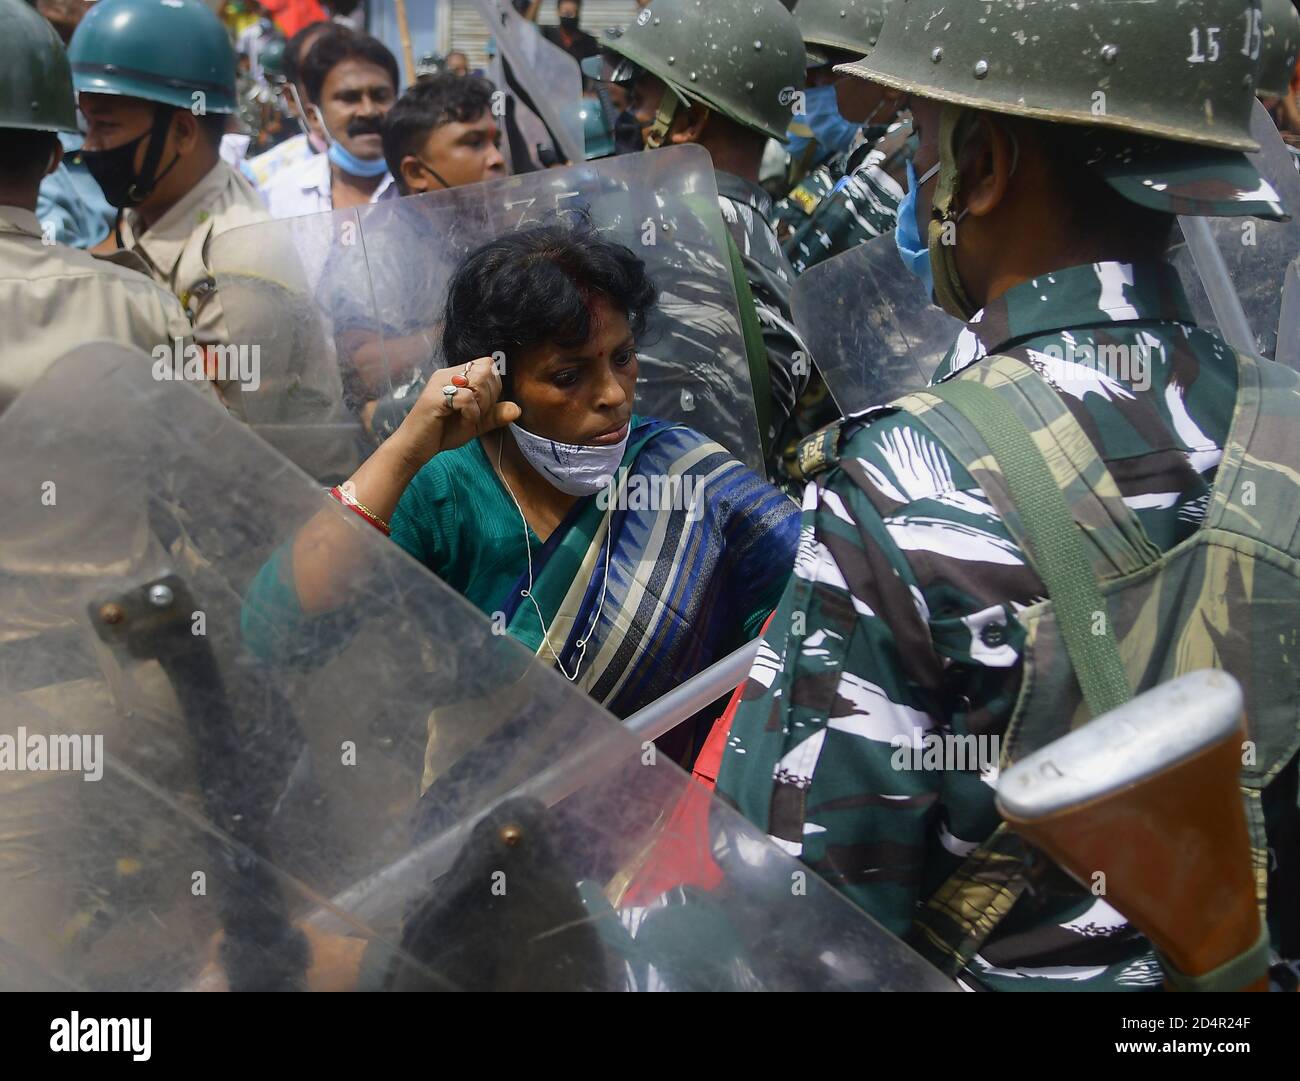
{"x": 457, "y": 518}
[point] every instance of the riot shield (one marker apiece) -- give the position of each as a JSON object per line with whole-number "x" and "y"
{"x": 204, "y": 786}
{"x": 355, "y": 297}
{"x": 545, "y": 77}
{"x": 872, "y": 331}
{"x": 1242, "y": 263}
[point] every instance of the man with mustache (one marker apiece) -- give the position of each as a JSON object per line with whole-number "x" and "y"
{"x": 351, "y": 82}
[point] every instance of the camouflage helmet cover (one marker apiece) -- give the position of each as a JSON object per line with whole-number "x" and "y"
{"x": 168, "y": 51}
{"x": 35, "y": 80}
{"x": 742, "y": 58}
{"x": 1281, "y": 47}
{"x": 851, "y": 26}
{"x": 1184, "y": 71}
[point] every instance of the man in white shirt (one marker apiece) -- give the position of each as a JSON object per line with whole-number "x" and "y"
{"x": 351, "y": 82}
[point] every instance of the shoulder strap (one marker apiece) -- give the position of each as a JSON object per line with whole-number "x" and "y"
{"x": 755, "y": 347}
{"x": 1058, "y": 554}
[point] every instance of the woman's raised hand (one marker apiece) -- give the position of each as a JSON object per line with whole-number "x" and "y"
{"x": 457, "y": 405}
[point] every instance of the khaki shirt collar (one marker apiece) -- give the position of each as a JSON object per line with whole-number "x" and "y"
{"x": 164, "y": 242}
{"x": 16, "y": 219}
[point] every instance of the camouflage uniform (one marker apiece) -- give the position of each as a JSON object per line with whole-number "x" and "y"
{"x": 902, "y": 619}
{"x": 843, "y": 204}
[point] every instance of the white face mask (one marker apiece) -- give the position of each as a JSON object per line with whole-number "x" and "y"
{"x": 575, "y": 470}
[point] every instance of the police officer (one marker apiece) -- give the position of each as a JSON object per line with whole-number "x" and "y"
{"x": 53, "y": 297}
{"x": 728, "y": 76}
{"x": 1042, "y": 201}
{"x": 155, "y": 115}
{"x": 852, "y": 196}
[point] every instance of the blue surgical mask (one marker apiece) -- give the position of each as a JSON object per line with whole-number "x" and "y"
{"x": 912, "y": 248}
{"x": 833, "y": 133}
{"x": 341, "y": 156}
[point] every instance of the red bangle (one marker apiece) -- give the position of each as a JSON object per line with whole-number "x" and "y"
{"x": 365, "y": 512}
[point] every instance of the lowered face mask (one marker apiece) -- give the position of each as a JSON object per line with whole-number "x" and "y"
{"x": 573, "y": 469}
{"x": 912, "y": 248}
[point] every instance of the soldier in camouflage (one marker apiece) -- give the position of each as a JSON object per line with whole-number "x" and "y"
{"x": 854, "y": 194}
{"x": 1052, "y": 163}
{"x": 726, "y": 75}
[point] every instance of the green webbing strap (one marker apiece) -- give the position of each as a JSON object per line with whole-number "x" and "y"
{"x": 1235, "y": 975}
{"x": 755, "y": 347}
{"x": 1059, "y": 555}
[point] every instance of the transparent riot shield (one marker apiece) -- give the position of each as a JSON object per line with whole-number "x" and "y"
{"x": 354, "y": 299}
{"x": 1235, "y": 269}
{"x": 872, "y": 331}
{"x": 202, "y": 785}
{"x": 543, "y": 76}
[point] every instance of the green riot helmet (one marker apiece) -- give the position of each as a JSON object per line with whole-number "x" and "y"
{"x": 1281, "y": 46}
{"x": 741, "y": 58}
{"x": 35, "y": 80}
{"x": 271, "y": 60}
{"x": 174, "y": 52}
{"x": 1183, "y": 71}
{"x": 852, "y": 26}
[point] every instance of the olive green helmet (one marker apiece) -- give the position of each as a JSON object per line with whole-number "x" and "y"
{"x": 270, "y": 59}
{"x": 1281, "y": 46}
{"x": 35, "y": 80}
{"x": 851, "y": 26}
{"x": 1184, "y": 71}
{"x": 168, "y": 51}
{"x": 741, "y": 58}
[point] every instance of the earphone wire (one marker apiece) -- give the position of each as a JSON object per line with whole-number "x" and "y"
{"x": 528, "y": 548}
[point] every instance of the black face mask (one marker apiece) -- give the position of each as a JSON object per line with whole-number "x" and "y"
{"x": 570, "y": 23}
{"x": 627, "y": 134}
{"x": 114, "y": 170}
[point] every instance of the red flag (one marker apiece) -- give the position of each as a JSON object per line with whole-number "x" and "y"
{"x": 292, "y": 15}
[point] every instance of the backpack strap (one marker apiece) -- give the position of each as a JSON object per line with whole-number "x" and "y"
{"x": 755, "y": 348}
{"x": 959, "y": 917}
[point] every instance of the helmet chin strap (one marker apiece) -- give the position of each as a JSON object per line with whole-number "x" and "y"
{"x": 955, "y": 125}
{"x": 148, "y": 177}
{"x": 668, "y": 106}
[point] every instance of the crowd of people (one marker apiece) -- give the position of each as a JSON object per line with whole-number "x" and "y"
{"x": 1032, "y": 176}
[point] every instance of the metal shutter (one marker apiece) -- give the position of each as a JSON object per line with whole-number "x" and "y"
{"x": 469, "y": 35}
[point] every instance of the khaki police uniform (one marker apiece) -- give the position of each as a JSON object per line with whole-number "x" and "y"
{"x": 176, "y": 248}
{"x": 55, "y": 298}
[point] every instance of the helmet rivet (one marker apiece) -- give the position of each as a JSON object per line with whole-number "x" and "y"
{"x": 656, "y": 20}
{"x": 749, "y": 86}
{"x": 160, "y": 596}
{"x": 981, "y": 68}
{"x": 936, "y": 54}
{"x": 672, "y": 60}
{"x": 694, "y": 77}
{"x": 1109, "y": 53}
{"x": 758, "y": 46}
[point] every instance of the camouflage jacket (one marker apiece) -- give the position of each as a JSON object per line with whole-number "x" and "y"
{"x": 898, "y": 537}
{"x": 844, "y": 203}
{"x": 747, "y": 211}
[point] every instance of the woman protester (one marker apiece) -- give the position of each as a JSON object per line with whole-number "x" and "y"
{"x": 628, "y": 552}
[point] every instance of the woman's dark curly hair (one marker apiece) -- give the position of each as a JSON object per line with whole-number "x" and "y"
{"x": 536, "y": 286}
